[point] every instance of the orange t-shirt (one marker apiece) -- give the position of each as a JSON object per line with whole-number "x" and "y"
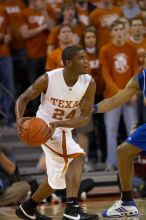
{"x": 98, "y": 3}
{"x": 102, "y": 19}
{"x": 56, "y": 6}
{"x": 119, "y": 64}
{"x": 14, "y": 11}
{"x": 141, "y": 48}
{"x": 83, "y": 15}
{"x": 36, "y": 46}
{"x": 54, "y": 59}
{"x": 119, "y": 2}
{"x": 51, "y": 12}
{"x": 77, "y": 33}
{"x": 4, "y": 48}
{"x": 95, "y": 72}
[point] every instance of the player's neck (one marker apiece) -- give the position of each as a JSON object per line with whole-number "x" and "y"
{"x": 70, "y": 77}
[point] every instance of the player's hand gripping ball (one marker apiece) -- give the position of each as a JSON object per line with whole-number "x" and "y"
{"x": 34, "y": 131}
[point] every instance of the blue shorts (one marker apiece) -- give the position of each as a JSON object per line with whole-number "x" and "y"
{"x": 138, "y": 137}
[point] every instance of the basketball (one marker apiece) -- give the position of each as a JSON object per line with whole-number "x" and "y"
{"x": 34, "y": 131}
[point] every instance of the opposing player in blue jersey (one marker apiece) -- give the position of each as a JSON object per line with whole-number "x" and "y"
{"x": 127, "y": 151}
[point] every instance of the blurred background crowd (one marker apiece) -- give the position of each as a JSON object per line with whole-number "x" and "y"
{"x": 33, "y": 34}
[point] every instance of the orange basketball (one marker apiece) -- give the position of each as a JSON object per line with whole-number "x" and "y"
{"x": 34, "y": 131}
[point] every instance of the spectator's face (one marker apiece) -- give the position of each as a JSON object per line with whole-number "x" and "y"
{"x": 118, "y": 32}
{"x": 90, "y": 40}
{"x": 69, "y": 13}
{"x": 130, "y": 2}
{"x": 107, "y": 2}
{"x": 143, "y": 3}
{"x": 65, "y": 35}
{"x": 38, "y": 4}
{"x": 137, "y": 27}
{"x": 125, "y": 22}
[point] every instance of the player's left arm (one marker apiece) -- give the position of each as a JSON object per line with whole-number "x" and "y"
{"x": 86, "y": 107}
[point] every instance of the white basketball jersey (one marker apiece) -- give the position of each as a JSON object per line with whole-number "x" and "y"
{"x": 60, "y": 101}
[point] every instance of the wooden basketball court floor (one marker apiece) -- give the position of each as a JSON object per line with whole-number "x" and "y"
{"x": 56, "y": 211}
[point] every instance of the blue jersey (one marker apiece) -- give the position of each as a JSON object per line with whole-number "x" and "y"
{"x": 138, "y": 137}
{"x": 142, "y": 81}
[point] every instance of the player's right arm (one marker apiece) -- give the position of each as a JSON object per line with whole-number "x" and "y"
{"x": 39, "y": 86}
{"x": 122, "y": 97}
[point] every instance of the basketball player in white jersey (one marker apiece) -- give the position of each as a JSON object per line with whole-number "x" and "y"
{"x": 67, "y": 97}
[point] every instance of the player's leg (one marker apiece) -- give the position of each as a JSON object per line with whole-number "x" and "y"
{"x": 73, "y": 179}
{"x": 125, "y": 155}
{"x": 73, "y": 176}
{"x": 126, "y": 206}
{"x": 28, "y": 210}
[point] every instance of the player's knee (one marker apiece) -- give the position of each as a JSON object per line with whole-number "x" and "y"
{"x": 79, "y": 161}
{"x": 122, "y": 150}
{"x": 81, "y": 158}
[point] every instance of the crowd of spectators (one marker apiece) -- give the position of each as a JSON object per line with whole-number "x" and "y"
{"x": 33, "y": 34}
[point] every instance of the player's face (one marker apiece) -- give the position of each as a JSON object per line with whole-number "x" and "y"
{"x": 80, "y": 62}
{"x": 90, "y": 40}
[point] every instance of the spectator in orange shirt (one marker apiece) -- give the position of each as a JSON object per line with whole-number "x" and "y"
{"x": 35, "y": 29}
{"x": 142, "y": 5}
{"x": 68, "y": 16}
{"x": 119, "y": 62}
{"x": 96, "y": 3}
{"x": 102, "y": 18}
{"x": 83, "y": 8}
{"x": 14, "y": 9}
{"x": 119, "y": 2}
{"x": 90, "y": 45}
{"x": 6, "y": 71}
{"x": 138, "y": 40}
{"x": 56, "y": 7}
{"x": 65, "y": 36}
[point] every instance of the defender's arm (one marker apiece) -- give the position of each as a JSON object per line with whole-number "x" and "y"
{"x": 120, "y": 98}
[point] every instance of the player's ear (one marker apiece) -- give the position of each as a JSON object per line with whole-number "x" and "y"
{"x": 68, "y": 62}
